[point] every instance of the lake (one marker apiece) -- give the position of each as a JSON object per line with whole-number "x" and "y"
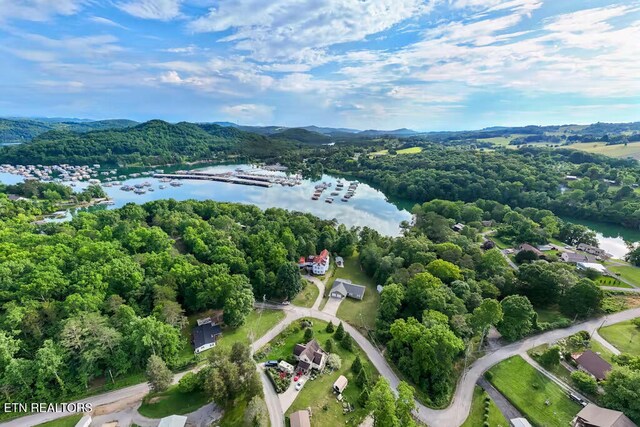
{"x": 612, "y": 238}
{"x": 368, "y": 207}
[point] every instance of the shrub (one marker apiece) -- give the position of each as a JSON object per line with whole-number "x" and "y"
{"x": 347, "y": 342}
{"x": 329, "y": 328}
{"x": 551, "y": 357}
{"x": 308, "y": 334}
{"x": 190, "y": 382}
{"x": 584, "y": 382}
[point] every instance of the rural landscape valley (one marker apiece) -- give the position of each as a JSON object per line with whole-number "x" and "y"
{"x": 371, "y": 213}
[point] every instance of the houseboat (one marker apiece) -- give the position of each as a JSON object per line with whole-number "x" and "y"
{"x": 328, "y": 200}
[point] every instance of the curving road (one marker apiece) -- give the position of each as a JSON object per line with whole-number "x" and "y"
{"x": 453, "y": 416}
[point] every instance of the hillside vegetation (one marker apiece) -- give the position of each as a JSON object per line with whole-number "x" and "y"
{"x": 14, "y": 131}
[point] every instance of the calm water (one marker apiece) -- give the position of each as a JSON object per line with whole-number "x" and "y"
{"x": 367, "y": 208}
{"x": 611, "y": 238}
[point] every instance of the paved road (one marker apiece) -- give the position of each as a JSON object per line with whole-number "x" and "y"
{"x": 453, "y": 416}
{"x": 613, "y": 288}
{"x": 321, "y": 286}
{"x": 606, "y": 344}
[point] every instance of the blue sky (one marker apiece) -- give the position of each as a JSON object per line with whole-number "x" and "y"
{"x": 384, "y": 64}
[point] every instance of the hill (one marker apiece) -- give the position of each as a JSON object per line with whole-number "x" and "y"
{"x": 15, "y": 131}
{"x": 302, "y": 135}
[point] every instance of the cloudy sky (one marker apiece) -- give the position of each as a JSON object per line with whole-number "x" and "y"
{"x": 426, "y": 65}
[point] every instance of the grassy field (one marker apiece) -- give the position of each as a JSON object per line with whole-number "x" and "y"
{"x": 307, "y": 295}
{"x": 528, "y": 390}
{"x": 234, "y": 415}
{"x": 499, "y": 243}
{"x": 411, "y": 150}
{"x": 627, "y": 272}
{"x": 476, "y": 415}
{"x": 360, "y": 314}
{"x": 611, "y": 281}
{"x": 69, "y": 421}
{"x": 550, "y": 314}
{"x": 630, "y": 150}
{"x": 624, "y": 336}
{"x": 257, "y": 324}
{"x": 317, "y": 394}
{"x": 159, "y": 405}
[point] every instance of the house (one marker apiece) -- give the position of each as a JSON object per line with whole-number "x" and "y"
{"x": 595, "y": 416}
{"x": 571, "y": 177}
{"x": 527, "y": 247}
{"x": 205, "y": 335}
{"x": 592, "y": 250}
{"x": 343, "y": 288}
{"x": 317, "y": 264}
{"x": 592, "y": 363}
{"x": 340, "y": 384}
{"x": 487, "y": 223}
{"x": 339, "y": 262}
{"x": 285, "y": 367}
{"x": 584, "y": 266}
{"x": 458, "y": 227}
{"x": 300, "y": 418}
{"x": 309, "y": 356}
{"x": 546, "y": 248}
{"x": 519, "y": 422}
{"x": 173, "y": 421}
{"x": 574, "y": 258}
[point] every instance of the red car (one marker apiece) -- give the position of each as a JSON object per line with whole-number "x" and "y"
{"x": 295, "y": 379}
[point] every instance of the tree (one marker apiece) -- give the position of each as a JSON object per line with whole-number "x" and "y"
{"x": 582, "y": 299}
{"x": 525, "y": 256}
{"x": 444, "y": 270}
{"x": 328, "y": 347}
{"x": 584, "y": 382}
{"x": 518, "y": 315}
{"x": 189, "y": 382}
{"x": 391, "y": 299}
{"x": 256, "y": 414}
{"x": 362, "y": 379}
{"x": 545, "y": 283}
{"x": 339, "y": 333}
{"x": 405, "y": 404}
{"x": 356, "y": 366}
{"x": 329, "y": 329}
{"x": 382, "y": 405}
{"x": 158, "y": 375}
{"x": 622, "y": 391}
{"x": 238, "y": 302}
{"x": 347, "y": 342}
{"x": 634, "y": 256}
{"x": 489, "y": 313}
{"x": 288, "y": 281}
{"x": 550, "y": 357}
{"x": 308, "y": 334}
{"x": 334, "y": 361}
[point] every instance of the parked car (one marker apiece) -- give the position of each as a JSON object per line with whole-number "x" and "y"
{"x": 299, "y": 385}
{"x": 270, "y": 363}
{"x": 285, "y": 303}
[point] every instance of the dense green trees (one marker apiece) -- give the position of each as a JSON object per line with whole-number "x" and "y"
{"x": 518, "y": 317}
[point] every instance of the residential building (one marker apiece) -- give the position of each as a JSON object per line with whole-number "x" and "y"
{"x": 592, "y": 250}
{"x": 309, "y": 356}
{"x": 595, "y": 416}
{"x": 339, "y": 262}
{"x": 592, "y": 266}
{"x": 205, "y": 335}
{"x": 340, "y": 384}
{"x": 343, "y": 288}
{"x": 317, "y": 264}
{"x": 592, "y": 363}
{"x": 173, "y": 421}
{"x": 300, "y": 418}
{"x": 527, "y": 247}
{"x": 458, "y": 227}
{"x": 574, "y": 258}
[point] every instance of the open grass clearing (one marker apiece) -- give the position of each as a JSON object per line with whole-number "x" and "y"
{"x": 410, "y": 150}
{"x": 476, "y": 414}
{"x": 307, "y": 296}
{"x": 611, "y": 281}
{"x": 360, "y": 314}
{"x": 256, "y": 325}
{"x": 172, "y": 401}
{"x": 69, "y": 421}
{"x": 624, "y": 336}
{"x": 317, "y": 394}
{"x": 632, "y": 149}
{"x": 529, "y": 390}
{"x": 627, "y": 272}
{"x": 550, "y": 314}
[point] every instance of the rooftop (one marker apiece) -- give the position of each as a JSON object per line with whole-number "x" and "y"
{"x": 594, "y": 364}
{"x": 205, "y": 334}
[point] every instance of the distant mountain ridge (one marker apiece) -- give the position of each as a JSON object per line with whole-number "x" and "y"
{"x": 18, "y": 130}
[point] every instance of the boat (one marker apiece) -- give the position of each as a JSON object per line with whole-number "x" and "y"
{"x": 151, "y": 189}
{"x": 344, "y": 199}
{"x": 314, "y": 197}
{"x": 107, "y": 184}
{"x": 146, "y": 184}
{"x": 175, "y": 183}
{"x": 335, "y": 193}
{"x": 165, "y": 179}
{"x": 138, "y": 186}
{"x": 162, "y": 187}
{"x": 126, "y": 188}
{"x": 139, "y": 191}
{"x": 328, "y": 200}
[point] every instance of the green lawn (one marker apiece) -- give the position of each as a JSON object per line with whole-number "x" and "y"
{"x": 627, "y": 272}
{"x": 234, "y": 414}
{"x": 527, "y": 389}
{"x": 159, "y": 405}
{"x": 317, "y": 393}
{"x": 476, "y": 414}
{"x": 360, "y": 314}
{"x": 624, "y": 336}
{"x": 257, "y": 324}
{"x": 619, "y": 150}
{"x": 410, "y": 150}
{"x": 499, "y": 243}
{"x": 307, "y": 296}
{"x": 611, "y": 281}
{"x": 551, "y": 314}
{"x": 69, "y": 421}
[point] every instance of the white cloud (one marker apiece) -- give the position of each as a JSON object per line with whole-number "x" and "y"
{"x": 162, "y": 10}
{"x": 253, "y": 113}
{"x": 105, "y": 21}
{"x": 301, "y": 31}
{"x": 38, "y": 10}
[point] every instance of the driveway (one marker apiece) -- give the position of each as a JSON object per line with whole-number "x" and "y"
{"x": 331, "y": 307}
{"x": 508, "y": 410}
{"x": 321, "y": 287}
{"x": 606, "y": 344}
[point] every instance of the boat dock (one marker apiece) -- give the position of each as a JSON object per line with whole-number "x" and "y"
{"x": 204, "y": 176}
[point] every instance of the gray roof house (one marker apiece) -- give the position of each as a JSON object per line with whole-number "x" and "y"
{"x": 205, "y": 336}
{"x": 343, "y": 288}
{"x": 595, "y": 416}
{"x": 574, "y": 258}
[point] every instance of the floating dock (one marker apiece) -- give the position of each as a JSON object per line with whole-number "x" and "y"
{"x": 204, "y": 176}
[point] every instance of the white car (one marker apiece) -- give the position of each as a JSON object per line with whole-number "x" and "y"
{"x": 299, "y": 385}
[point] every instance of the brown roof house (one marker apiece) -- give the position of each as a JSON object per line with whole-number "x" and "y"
{"x": 529, "y": 248}
{"x": 300, "y": 419}
{"x": 310, "y": 356}
{"x": 595, "y": 416}
{"x": 592, "y": 363}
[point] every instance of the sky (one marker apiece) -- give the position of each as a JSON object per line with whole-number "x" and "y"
{"x": 364, "y": 64}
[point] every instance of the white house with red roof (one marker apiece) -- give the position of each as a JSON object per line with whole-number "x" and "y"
{"x": 317, "y": 264}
